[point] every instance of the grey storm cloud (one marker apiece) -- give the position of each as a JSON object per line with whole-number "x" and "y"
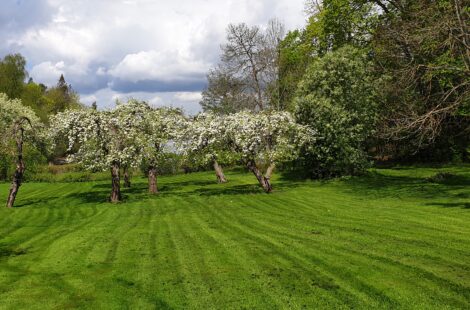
{"x": 151, "y": 86}
{"x": 17, "y": 16}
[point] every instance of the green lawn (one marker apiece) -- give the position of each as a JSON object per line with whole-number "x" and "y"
{"x": 390, "y": 239}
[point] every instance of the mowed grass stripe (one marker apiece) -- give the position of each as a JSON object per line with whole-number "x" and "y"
{"x": 262, "y": 246}
{"x": 300, "y": 255}
{"x": 349, "y": 253}
{"x": 387, "y": 243}
{"x": 234, "y": 258}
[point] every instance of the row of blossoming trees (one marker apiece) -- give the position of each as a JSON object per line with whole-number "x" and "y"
{"x": 135, "y": 134}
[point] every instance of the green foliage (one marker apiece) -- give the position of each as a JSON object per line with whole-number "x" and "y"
{"x": 295, "y": 55}
{"x": 12, "y": 75}
{"x": 43, "y": 175}
{"x": 62, "y": 98}
{"x": 335, "y": 23}
{"x": 331, "y": 25}
{"x": 337, "y": 98}
{"x": 33, "y": 96}
{"x": 33, "y": 158}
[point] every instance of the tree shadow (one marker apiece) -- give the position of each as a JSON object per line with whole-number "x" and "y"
{"x": 229, "y": 190}
{"x": 29, "y": 202}
{"x": 138, "y": 191}
{"x": 294, "y": 175}
{"x": 174, "y": 185}
{"x": 462, "y": 205}
{"x": 452, "y": 180}
{"x": 376, "y": 183}
{"x": 91, "y": 197}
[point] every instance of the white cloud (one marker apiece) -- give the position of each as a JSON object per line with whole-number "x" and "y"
{"x": 47, "y": 72}
{"x": 109, "y": 45}
{"x": 189, "y": 96}
{"x": 106, "y": 98}
{"x": 156, "y": 101}
{"x": 153, "y": 65}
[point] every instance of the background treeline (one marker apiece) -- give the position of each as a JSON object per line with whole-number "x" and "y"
{"x": 382, "y": 80}
{"x": 375, "y": 80}
{"x": 43, "y": 101}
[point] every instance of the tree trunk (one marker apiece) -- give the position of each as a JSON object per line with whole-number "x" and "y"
{"x": 269, "y": 171}
{"x": 116, "y": 186}
{"x": 20, "y": 166}
{"x": 153, "y": 189}
{"x": 219, "y": 173}
{"x": 263, "y": 181}
{"x": 127, "y": 178}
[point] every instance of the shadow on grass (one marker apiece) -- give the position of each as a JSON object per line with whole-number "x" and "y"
{"x": 30, "y": 202}
{"x": 91, "y": 197}
{"x": 374, "y": 184}
{"x": 138, "y": 191}
{"x": 229, "y": 190}
{"x": 9, "y": 252}
{"x": 407, "y": 186}
{"x": 463, "y": 205}
{"x": 172, "y": 186}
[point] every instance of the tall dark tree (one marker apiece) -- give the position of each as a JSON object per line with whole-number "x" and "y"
{"x": 62, "y": 97}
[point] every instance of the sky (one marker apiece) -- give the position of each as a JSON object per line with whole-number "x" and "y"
{"x": 154, "y": 50}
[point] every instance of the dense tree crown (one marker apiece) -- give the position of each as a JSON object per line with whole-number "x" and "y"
{"x": 12, "y": 75}
{"x": 338, "y": 97}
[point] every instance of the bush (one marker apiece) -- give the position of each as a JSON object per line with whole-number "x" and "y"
{"x": 33, "y": 158}
{"x": 69, "y": 177}
{"x": 337, "y": 98}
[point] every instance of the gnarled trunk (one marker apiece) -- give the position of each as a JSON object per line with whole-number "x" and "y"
{"x": 16, "y": 183}
{"x": 264, "y": 181}
{"x": 152, "y": 172}
{"x": 115, "y": 183}
{"x": 219, "y": 173}
{"x": 20, "y": 166}
{"x": 127, "y": 178}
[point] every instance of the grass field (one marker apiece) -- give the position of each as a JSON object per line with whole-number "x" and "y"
{"x": 390, "y": 239}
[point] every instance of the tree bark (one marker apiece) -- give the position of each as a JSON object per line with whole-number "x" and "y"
{"x": 263, "y": 180}
{"x": 115, "y": 182}
{"x": 219, "y": 172}
{"x": 269, "y": 171}
{"x": 18, "y": 176}
{"x": 127, "y": 178}
{"x": 18, "y": 130}
{"x": 152, "y": 172}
